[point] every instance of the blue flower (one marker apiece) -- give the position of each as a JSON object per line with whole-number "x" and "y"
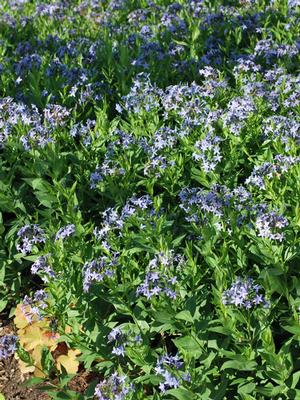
{"x": 65, "y": 232}
{"x": 8, "y": 345}
{"x": 244, "y": 293}
{"x": 29, "y": 235}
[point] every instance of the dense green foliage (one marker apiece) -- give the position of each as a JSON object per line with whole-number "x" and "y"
{"x": 149, "y": 192}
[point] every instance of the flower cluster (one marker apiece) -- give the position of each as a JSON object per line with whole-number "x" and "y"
{"x": 117, "y": 336}
{"x": 280, "y": 165}
{"x": 32, "y": 307}
{"x": 160, "y": 278}
{"x": 244, "y": 293}
{"x": 8, "y": 345}
{"x": 269, "y": 226}
{"x": 167, "y": 367}
{"x": 116, "y": 387}
{"x": 142, "y": 96}
{"x": 238, "y": 111}
{"x": 65, "y": 232}
{"x": 122, "y": 339}
{"x": 286, "y": 128}
{"x": 29, "y": 235}
{"x": 197, "y": 203}
{"x": 114, "y": 221}
{"x": 97, "y": 270}
{"x": 42, "y": 268}
{"x": 208, "y": 152}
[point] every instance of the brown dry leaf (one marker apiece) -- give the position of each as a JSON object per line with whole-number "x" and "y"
{"x": 69, "y": 362}
{"x": 60, "y": 350}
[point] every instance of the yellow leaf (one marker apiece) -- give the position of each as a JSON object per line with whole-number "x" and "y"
{"x": 20, "y": 319}
{"x": 34, "y": 336}
{"x": 37, "y": 357}
{"x": 68, "y": 329}
{"x": 69, "y": 362}
{"x": 24, "y": 368}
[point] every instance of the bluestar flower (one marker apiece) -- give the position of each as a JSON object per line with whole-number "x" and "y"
{"x": 119, "y": 350}
{"x": 97, "y": 270}
{"x": 244, "y": 293}
{"x": 8, "y": 345}
{"x": 29, "y": 235}
{"x": 269, "y": 225}
{"x": 95, "y": 178}
{"x": 208, "y": 152}
{"x": 65, "y": 232}
{"x": 142, "y": 96}
{"x": 32, "y": 306}
{"x": 41, "y": 267}
{"x": 238, "y": 110}
{"x": 38, "y": 136}
{"x": 40, "y": 295}
{"x": 115, "y": 334}
{"x": 116, "y": 387}
{"x": 159, "y": 280}
{"x": 198, "y": 202}
{"x": 83, "y": 131}
{"x": 282, "y": 127}
{"x": 270, "y": 50}
{"x": 56, "y": 114}
{"x": 28, "y": 63}
{"x": 280, "y": 165}
{"x": 167, "y": 367}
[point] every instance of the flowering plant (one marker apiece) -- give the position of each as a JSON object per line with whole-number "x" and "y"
{"x": 149, "y": 197}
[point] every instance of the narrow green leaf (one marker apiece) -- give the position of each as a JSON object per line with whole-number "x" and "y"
{"x": 181, "y": 394}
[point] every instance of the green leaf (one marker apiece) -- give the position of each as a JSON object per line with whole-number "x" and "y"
{"x": 271, "y": 390}
{"x": 2, "y": 272}
{"x": 178, "y": 240}
{"x": 25, "y": 356}
{"x": 246, "y": 389}
{"x": 136, "y": 356}
{"x": 200, "y": 176}
{"x": 46, "y": 360}
{"x": 33, "y": 381}
{"x": 164, "y": 317}
{"x": 294, "y": 329}
{"x": 91, "y": 388}
{"x": 188, "y": 344}
{"x": 149, "y": 378}
{"x": 181, "y": 394}
{"x": 239, "y": 365}
{"x": 3, "y": 304}
{"x": 46, "y": 199}
{"x": 185, "y": 316}
{"x": 2, "y": 397}
{"x": 295, "y": 379}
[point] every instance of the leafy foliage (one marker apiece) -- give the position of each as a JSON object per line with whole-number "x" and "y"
{"x": 149, "y": 196}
